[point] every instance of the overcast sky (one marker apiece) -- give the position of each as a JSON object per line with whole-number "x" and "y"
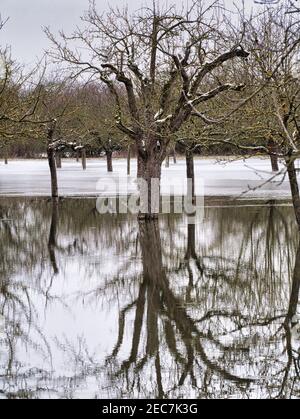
{"x": 26, "y": 18}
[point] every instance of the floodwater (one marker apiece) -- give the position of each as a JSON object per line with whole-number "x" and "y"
{"x": 105, "y": 306}
{"x": 225, "y": 177}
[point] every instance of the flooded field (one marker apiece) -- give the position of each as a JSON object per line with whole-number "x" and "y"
{"x": 104, "y": 306}
{"x": 223, "y": 177}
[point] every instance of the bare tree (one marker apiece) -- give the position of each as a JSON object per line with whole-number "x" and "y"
{"x": 20, "y": 98}
{"x": 274, "y": 41}
{"x": 95, "y": 112}
{"x": 56, "y": 121}
{"x": 163, "y": 59}
{"x": 276, "y": 45}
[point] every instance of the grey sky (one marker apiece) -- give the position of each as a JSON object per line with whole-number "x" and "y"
{"x": 26, "y": 17}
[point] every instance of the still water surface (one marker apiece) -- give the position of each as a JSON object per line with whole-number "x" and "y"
{"x": 103, "y": 306}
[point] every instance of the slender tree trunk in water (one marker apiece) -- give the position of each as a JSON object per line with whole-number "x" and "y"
{"x": 53, "y": 235}
{"x": 109, "y": 161}
{"x": 190, "y": 170}
{"x": 273, "y": 148}
{"x": 53, "y": 172}
{"x": 149, "y": 170}
{"x": 191, "y": 242}
{"x": 191, "y": 247}
{"x": 129, "y": 160}
{"x": 83, "y": 157}
{"x": 294, "y": 188}
{"x": 58, "y": 160}
{"x": 5, "y": 160}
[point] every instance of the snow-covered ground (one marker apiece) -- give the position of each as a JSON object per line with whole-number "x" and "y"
{"x": 233, "y": 178}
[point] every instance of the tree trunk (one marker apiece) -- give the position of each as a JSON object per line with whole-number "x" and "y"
{"x": 149, "y": 169}
{"x": 174, "y": 155}
{"x": 109, "y": 161}
{"x": 190, "y": 170}
{"x": 83, "y": 157}
{"x": 294, "y": 188}
{"x": 5, "y": 154}
{"x": 58, "y": 160}
{"x": 53, "y": 172}
{"x": 77, "y": 156}
{"x": 191, "y": 242}
{"x": 273, "y": 148}
{"x": 129, "y": 160}
{"x": 168, "y": 160}
{"x": 274, "y": 163}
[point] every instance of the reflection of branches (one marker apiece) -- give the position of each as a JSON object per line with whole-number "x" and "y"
{"x": 186, "y": 338}
{"x": 162, "y": 303}
{"x": 292, "y": 354}
{"x": 121, "y": 328}
{"x": 220, "y": 333}
{"x": 21, "y": 327}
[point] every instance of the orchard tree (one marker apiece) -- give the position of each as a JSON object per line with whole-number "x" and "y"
{"x": 164, "y": 59}
{"x": 20, "y": 98}
{"x": 276, "y": 41}
{"x": 64, "y": 132}
{"x": 96, "y": 113}
{"x": 10, "y": 106}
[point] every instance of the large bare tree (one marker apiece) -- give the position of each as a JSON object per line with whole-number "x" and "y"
{"x": 167, "y": 62}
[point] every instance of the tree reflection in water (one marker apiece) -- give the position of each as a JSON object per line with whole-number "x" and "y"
{"x": 158, "y": 309}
